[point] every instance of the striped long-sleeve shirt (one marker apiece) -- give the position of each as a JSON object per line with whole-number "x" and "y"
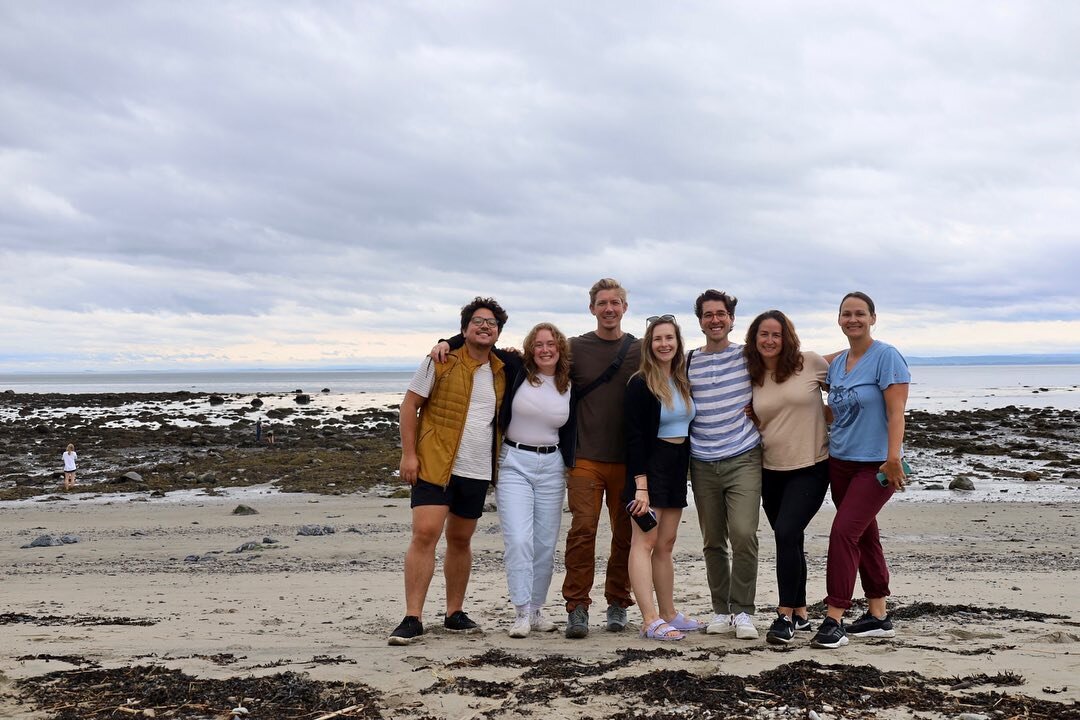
{"x": 720, "y": 386}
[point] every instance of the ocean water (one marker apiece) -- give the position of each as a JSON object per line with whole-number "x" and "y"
{"x": 934, "y": 387}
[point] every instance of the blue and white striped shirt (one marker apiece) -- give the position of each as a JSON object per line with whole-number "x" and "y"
{"x": 720, "y": 386}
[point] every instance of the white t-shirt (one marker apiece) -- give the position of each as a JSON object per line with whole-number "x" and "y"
{"x": 473, "y": 459}
{"x": 69, "y": 460}
{"x": 538, "y": 412}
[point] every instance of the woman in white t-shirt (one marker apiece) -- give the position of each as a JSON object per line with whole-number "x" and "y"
{"x": 790, "y": 415}
{"x": 69, "y": 457}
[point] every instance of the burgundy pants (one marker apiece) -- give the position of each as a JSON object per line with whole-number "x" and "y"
{"x": 854, "y": 544}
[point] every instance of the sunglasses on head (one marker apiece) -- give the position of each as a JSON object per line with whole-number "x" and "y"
{"x": 659, "y": 318}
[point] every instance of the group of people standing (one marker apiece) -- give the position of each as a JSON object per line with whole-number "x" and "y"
{"x": 616, "y": 422}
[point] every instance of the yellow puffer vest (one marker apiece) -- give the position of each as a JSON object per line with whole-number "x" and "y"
{"x": 442, "y": 417}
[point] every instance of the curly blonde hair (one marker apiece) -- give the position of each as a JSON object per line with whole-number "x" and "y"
{"x": 562, "y": 366}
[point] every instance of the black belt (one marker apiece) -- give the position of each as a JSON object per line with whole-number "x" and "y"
{"x": 542, "y": 449}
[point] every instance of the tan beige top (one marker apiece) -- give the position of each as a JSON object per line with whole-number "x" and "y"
{"x": 793, "y": 432}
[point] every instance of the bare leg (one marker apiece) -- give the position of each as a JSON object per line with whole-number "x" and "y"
{"x": 663, "y": 567}
{"x": 427, "y": 528}
{"x": 458, "y": 563}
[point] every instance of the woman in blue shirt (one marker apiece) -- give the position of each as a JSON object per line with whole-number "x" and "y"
{"x": 868, "y": 391}
{"x": 658, "y": 413}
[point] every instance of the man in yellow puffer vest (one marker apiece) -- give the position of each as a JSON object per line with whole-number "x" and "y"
{"x": 449, "y": 445}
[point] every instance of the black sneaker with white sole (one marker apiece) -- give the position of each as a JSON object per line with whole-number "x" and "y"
{"x": 870, "y": 626}
{"x": 802, "y": 624}
{"x": 459, "y": 622}
{"x": 830, "y": 635}
{"x": 781, "y": 632}
{"x": 410, "y": 629}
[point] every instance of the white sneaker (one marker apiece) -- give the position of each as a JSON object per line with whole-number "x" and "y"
{"x": 720, "y": 624}
{"x": 744, "y": 627}
{"x": 520, "y": 628}
{"x": 538, "y": 621}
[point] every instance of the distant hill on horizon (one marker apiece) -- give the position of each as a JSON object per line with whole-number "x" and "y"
{"x": 1033, "y": 359}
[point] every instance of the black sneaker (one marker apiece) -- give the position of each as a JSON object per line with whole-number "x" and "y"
{"x": 781, "y": 632}
{"x": 410, "y": 629}
{"x": 871, "y": 626}
{"x": 801, "y": 624}
{"x": 459, "y": 622}
{"x": 831, "y": 634}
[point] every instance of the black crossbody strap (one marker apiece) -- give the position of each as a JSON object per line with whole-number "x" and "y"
{"x": 611, "y": 369}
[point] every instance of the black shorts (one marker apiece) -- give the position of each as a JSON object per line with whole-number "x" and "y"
{"x": 465, "y": 496}
{"x": 667, "y": 470}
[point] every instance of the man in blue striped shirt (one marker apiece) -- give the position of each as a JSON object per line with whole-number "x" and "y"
{"x": 725, "y": 467}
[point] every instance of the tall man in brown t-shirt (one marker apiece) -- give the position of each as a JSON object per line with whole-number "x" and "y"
{"x": 600, "y": 463}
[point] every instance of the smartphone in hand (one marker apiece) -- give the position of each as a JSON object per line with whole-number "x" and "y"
{"x": 883, "y": 481}
{"x": 646, "y": 522}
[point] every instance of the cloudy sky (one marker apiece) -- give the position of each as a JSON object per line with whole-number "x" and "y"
{"x": 213, "y": 184}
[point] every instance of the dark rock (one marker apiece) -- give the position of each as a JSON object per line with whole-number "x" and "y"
{"x": 191, "y": 558}
{"x": 934, "y": 486}
{"x": 326, "y": 390}
{"x": 315, "y": 530}
{"x": 128, "y": 477}
{"x": 216, "y": 400}
{"x": 249, "y": 546}
{"x": 256, "y": 402}
{"x": 269, "y": 541}
{"x": 24, "y": 411}
{"x": 962, "y": 482}
{"x": 302, "y": 398}
{"x": 157, "y": 494}
{"x": 244, "y": 510}
{"x": 44, "y": 541}
{"x": 1031, "y": 476}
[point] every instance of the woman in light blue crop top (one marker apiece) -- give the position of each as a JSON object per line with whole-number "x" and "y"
{"x": 658, "y": 414}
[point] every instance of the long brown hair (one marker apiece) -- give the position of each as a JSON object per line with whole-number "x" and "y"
{"x": 790, "y": 360}
{"x": 654, "y": 376}
{"x": 562, "y": 365}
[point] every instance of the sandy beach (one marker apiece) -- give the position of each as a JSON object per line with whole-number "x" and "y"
{"x": 325, "y": 604}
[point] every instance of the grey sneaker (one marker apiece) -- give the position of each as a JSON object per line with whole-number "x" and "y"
{"x": 870, "y": 626}
{"x": 577, "y": 623}
{"x": 616, "y": 618}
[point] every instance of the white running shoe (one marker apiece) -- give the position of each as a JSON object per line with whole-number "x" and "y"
{"x": 719, "y": 625}
{"x": 521, "y": 627}
{"x": 538, "y": 621}
{"x": 744, "y": 627}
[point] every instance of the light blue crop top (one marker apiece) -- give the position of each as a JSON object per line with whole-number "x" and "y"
{"x": 675, "y": 421}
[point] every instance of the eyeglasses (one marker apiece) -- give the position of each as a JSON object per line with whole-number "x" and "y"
{"x": 659, "y": 318}
{"x": 482, "y": 321}
{"x": 721, "y": 315}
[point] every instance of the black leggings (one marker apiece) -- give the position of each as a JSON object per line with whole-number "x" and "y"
{"x": 791, "y": 498}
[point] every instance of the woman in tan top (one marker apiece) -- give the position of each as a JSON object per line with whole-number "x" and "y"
{"x": 790, "y": 415}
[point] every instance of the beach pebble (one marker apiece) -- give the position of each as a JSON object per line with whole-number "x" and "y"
{"x": 249, "y": 546}
{"x": 961, "y": 482}
{"x": 69, "y": 539}
{"x": 315, "y": 530}
{"x": 1031, "y": 476}
{"x": 269, "y": 541}
{"x": 244, "y": 510}
{"x": 208, "y": 478}
{"x": 972, "y": 716}
{"x": 813, "y": 716}
{"x": 191, "y": 558}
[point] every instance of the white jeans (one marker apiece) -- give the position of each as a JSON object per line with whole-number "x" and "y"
{"x": 530, "y": 496}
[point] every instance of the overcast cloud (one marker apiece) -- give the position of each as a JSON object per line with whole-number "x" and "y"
{"x": 284, "y": 184}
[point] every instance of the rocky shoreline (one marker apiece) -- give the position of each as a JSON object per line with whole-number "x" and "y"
{"x": 161, "y": 442}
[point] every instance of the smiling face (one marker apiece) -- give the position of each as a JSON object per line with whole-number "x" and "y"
{"x": 664, "y": 343}
{"x": 608, "y": 308}
{"x": 769, "y": 340}
{"x": 545, "y": 352}
{"x": 482, "y": 330}
{"x": 715, "y": 321}
{"x": 856, "y": 319}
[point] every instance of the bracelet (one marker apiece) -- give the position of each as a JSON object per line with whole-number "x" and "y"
{"x": 642, "y": 490}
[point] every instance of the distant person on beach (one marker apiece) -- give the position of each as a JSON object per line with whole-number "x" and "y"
{"x": 449, "y": 424}
{"x": 658, "y": 414}
{"x": 258, "y": 431}
{"x": 538, "y": 425}
{"x": 868, "y": 392}
{"x": 725, "y": 467}
{"x": 69, "y": 457}
{"x": 791, "y": 418}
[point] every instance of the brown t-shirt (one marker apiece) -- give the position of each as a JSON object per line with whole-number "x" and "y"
{"x": 600, "y": 435}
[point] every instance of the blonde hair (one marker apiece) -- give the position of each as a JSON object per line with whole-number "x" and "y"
{"x": 606, "y": 284}
{"x": 562, "y": 366}
{"x": 70, "y": 448}
{"x": 655, "y": 378}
